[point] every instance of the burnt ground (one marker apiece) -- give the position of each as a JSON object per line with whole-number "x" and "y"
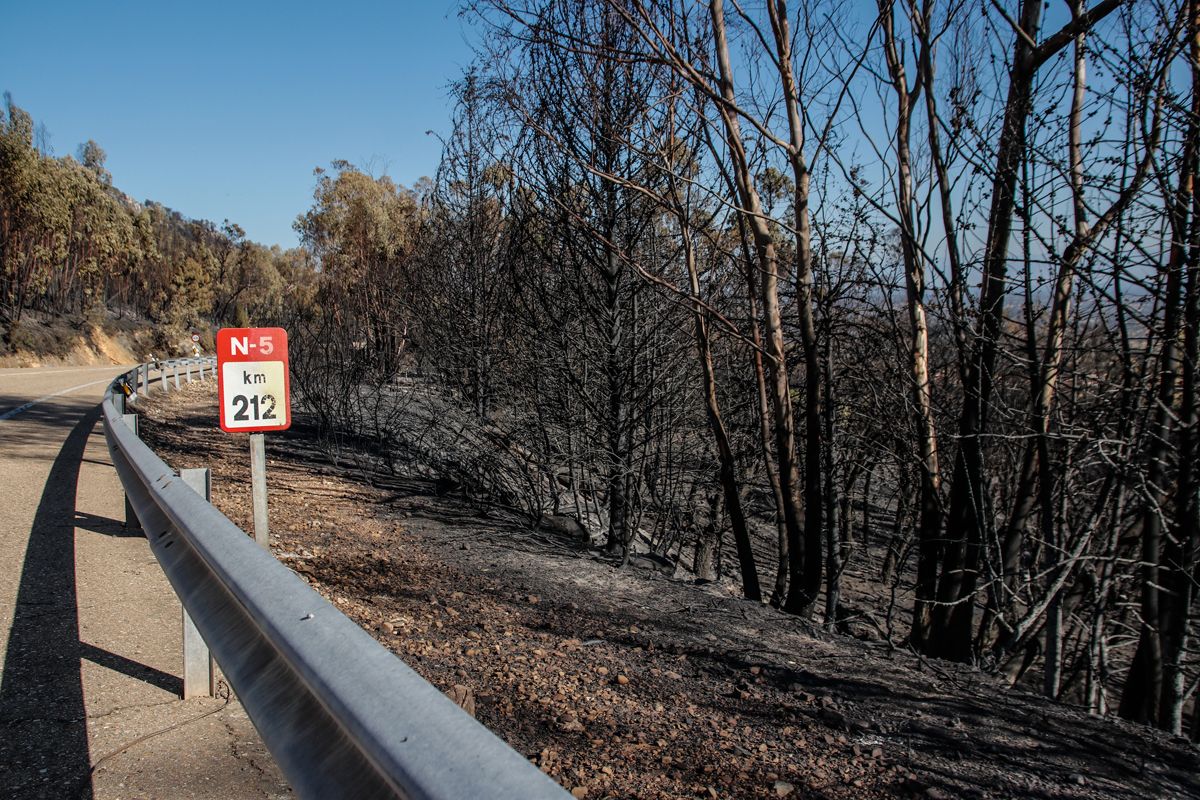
{"x": 630, "y": 683}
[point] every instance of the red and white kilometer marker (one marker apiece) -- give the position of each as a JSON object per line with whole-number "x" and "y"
{"x": 252, "y": 380}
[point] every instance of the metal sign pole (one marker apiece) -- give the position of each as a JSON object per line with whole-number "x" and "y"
{"x": 258, "y": 485}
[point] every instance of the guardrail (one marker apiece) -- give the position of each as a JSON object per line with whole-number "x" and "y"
{"x": 341, "y": 714}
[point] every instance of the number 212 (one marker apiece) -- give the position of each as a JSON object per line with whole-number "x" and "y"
{"x": 242, "y": 404}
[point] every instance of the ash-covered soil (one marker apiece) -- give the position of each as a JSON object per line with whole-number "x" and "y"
{"x": 628, "y": 683}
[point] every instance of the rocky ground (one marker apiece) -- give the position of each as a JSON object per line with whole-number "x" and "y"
{"x": 629, "y": 683}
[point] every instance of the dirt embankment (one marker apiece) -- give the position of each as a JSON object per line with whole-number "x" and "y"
{"x": 44, "y": 340}
{"x": 58, "y": 341}
{"x": 632, "y": 684}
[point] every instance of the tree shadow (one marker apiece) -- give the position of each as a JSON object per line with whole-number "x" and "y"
{"x": 44, "y": 748}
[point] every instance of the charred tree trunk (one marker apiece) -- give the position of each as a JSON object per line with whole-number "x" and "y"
{"x": 1146, "y": 697}
{"x": 779, "y": 592}
{"x": 929, "y": 514}
{"x": 728, "y": 468}
{"x": 800, "y": 553}
{"x": 802, "y": 593}
{"x": 953, "y": 622}
{"x": 968, "y": 517}
{"x": 1180, "y": 554}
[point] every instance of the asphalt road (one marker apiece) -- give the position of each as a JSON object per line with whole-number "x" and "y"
{"x": 89, "y": 628}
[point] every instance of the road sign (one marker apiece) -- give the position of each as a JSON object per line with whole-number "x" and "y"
{"x": 195, "y": 337}
{"x": 252, "y": 379}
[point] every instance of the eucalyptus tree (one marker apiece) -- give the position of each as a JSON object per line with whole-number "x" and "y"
{"x": 361, "y": 230}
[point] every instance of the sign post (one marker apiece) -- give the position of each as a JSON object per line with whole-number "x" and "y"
{"x": 254, "y": 388}
{"x": 258, "y": 488}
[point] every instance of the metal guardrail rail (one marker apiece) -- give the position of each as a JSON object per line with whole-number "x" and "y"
{"x": 342, "y": 715}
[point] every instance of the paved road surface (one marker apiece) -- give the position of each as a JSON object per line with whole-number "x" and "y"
{"x": 89, "y": 628}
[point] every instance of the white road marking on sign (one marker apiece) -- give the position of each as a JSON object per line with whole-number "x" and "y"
{"x": 254, "y": 394}
{"x": 32, "y": 403}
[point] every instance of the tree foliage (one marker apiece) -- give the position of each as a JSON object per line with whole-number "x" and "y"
{"x": 72, "y": 243}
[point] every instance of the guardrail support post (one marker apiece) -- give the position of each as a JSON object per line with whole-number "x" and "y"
{"x": 199, "y": 677}
{"x": 162, "y": 374}
{"x": 189, "y": 372}
{"x": 176, "y": 370}
{"x": 131, "y": 520}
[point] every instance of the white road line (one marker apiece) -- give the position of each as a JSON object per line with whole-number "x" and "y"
{"x": 19, "y": 372}
{"x": 32, "y": 403}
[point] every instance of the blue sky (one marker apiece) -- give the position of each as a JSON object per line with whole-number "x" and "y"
{"x": 222, "y": 110}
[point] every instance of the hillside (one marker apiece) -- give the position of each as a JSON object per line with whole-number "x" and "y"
{"x": 41, "y": 340}
{"x": 628, "y": 683}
